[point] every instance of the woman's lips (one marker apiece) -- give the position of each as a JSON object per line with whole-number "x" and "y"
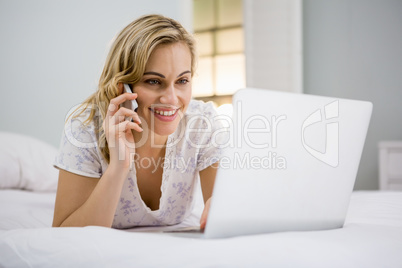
{"x": 165, "y": 114}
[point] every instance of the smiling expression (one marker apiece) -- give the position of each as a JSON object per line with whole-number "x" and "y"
{"x": 164, "y": 91}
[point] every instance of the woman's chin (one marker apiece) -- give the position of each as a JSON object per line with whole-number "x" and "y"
{"x": 165, "y": 131}
{"x": 166, "y": 128}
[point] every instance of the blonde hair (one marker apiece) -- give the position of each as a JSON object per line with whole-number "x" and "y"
{"x": 127, "y": 59}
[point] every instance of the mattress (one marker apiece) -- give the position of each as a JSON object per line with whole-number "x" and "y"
{"x": 371, "y": 237}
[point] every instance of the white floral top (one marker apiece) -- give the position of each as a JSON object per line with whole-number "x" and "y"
{"x": 195, "y": 145}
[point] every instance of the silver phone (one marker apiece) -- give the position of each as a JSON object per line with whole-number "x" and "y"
{"x": 132, "y": 105}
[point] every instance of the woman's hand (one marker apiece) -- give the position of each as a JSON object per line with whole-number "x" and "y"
{"x": 118, "y": 128}
{"x": 207, "y": 179}
{"x": 204, "y": 215}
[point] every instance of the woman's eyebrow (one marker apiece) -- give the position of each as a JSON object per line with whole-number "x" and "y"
{"x": 161, "y": 75}
{"x": 184, "y": 73}
{"x": 155, "y": 73}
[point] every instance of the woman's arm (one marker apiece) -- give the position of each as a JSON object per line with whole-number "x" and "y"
{"x": 83, "y": 201}
{"x": 207, "y": 178}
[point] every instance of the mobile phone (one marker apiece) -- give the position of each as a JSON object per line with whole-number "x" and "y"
{"x": 133, "y": 105}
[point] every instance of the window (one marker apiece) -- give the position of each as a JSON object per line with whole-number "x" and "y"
{"x": 218, "y": 28}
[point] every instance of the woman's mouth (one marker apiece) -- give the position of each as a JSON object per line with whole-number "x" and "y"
{"x": 165, "y": 114}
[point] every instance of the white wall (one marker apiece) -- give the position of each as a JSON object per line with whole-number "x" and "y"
{"x": 52, "y": 54}
{"x": 353, "y": 49}
{"x": 273, "y": 44}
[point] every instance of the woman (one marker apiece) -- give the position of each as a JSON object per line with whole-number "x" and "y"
{"x": 123, "y": 168}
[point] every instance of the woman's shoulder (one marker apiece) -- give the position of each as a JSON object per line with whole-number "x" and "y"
{"x": 197, "y": 107}
{"x": 82, "y": 125}
{"x": 79, "y": 112}
{"x": 204, "y": 115}
{"x": 79, "y": 152}
{"x": 86, "y": 115}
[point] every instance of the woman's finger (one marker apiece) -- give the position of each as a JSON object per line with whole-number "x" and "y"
{"x": 127, "y": 125}
{"x": 115, "y": 102}
{"x": 136, "y": 118}
{"x": 114, "y": 129}
{"x": 123, "y": 113}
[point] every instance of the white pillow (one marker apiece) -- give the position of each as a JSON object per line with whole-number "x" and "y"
{"x": 26, "y": 163}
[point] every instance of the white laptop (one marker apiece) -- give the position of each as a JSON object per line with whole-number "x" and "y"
{"x": 290, "y": 164}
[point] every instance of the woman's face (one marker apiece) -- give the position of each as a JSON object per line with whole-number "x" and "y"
{"x": 164, "y": 91}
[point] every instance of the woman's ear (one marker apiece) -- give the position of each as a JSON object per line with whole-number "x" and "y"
{"x": 120, "y": 86}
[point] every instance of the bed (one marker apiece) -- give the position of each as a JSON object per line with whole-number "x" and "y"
{"x": 371, "y": 236}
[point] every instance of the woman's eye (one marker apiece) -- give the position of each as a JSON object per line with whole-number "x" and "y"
{"x": 183, "y": 81}
{"x": 152, "y": 82}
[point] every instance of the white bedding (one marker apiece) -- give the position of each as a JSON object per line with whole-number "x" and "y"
{"x": 371, "y": 237}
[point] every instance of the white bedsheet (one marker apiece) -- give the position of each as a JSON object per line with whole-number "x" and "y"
{"x": 25, "y": 209}
{"x": 371, "y": 237}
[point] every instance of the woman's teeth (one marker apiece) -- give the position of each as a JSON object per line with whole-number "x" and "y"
{"x": 165, "y": 113}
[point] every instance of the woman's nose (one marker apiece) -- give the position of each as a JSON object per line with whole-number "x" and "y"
{"x": 169, "y": 95}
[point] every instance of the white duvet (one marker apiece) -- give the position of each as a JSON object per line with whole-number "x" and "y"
{"x": 371, "y": 237}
